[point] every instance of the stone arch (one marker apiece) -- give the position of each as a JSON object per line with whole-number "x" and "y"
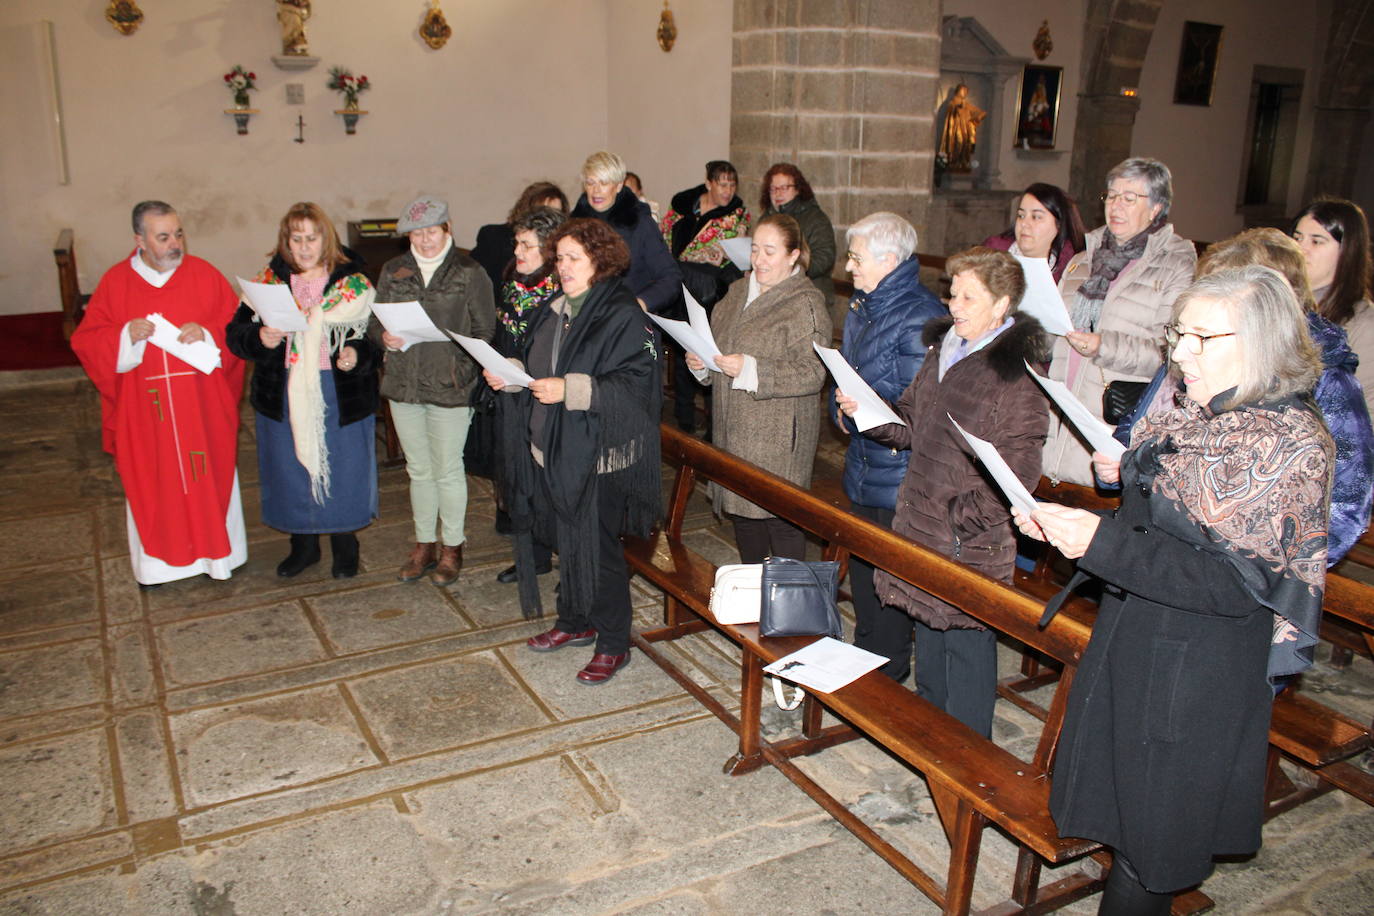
{"x": 1116, "y": 35}
{"x": 1344, "y": 96}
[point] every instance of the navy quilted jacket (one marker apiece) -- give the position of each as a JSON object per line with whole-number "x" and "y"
{"x": 882, "y": 340}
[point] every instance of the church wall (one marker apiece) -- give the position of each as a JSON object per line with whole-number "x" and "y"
{"x": 670, "y": 113}
{"x": 1203, "y": 146}
{"x": 521, "y": 92}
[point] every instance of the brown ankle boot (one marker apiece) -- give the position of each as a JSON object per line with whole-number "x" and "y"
{"x": 450, "y": 564}
{"x": 422, "y": 557}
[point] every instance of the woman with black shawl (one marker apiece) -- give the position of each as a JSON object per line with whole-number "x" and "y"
{"x": 1212, "y": 573}
{"x": 581, "y": 446}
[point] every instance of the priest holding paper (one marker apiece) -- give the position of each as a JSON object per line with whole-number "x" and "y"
{"x": 973, "y": 373}
{"x": 171, "y": 427}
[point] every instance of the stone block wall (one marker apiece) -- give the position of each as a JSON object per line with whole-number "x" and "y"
{"x": 846, "y": 90}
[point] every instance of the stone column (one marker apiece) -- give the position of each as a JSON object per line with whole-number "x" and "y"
{"x": 1102, "y": 138}
{"x": 846, "y": 90}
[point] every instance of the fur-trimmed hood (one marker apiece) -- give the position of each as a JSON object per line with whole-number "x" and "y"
{"x": 1023, "y": 342}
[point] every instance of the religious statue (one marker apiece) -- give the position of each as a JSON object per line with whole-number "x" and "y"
{"x": 960, "y": 133}
{"x": 292, "y": 15}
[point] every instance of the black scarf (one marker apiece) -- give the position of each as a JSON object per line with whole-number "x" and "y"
{"x": 1110, "y": 258}
{"x": 614, "y": 445}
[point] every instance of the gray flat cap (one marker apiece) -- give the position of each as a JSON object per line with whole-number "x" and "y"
{"x": 421, "y": 213}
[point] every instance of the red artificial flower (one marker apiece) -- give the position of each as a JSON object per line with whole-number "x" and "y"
{"x": 228, "y": 77}
{"x": 252, "y": 76}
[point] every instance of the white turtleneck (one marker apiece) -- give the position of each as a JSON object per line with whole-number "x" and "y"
{"x": 429, "y": 265}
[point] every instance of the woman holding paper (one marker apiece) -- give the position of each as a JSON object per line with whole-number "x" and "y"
{"x": 1047, "y": 226}
{"x": 428, "y": 386}
{"x": 974, "y": 372}
{"x": 1118, "y": 292}
{"x": 764, "y": 408}
{"x": 315, "y": 395}
{"x": 581, "y": 446}
{"x": 1206, "y": 595}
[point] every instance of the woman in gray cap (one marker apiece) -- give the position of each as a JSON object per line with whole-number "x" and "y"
{"x": 428, "y": 385}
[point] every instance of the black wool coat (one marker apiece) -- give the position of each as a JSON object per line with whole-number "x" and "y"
{"x": 1162, "y": 756}
{"x": 356, "y": 389}
{"x": 653, "y": 275}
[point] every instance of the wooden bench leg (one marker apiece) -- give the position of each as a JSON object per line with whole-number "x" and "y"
{"x": 965, "y": 829}
{"x": 748, "y": 758}
{"x": 1341, "y": 657}
{"x": 811, "y": 717}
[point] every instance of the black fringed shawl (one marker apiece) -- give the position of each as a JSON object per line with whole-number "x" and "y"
{"x": 615, "y": 443}
{"x": 1255, "y": 483}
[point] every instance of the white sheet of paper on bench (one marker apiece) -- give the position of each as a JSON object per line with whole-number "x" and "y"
{"x": 1042, "y": 300}
{"x": 737, "y": 250}
{"x": 826, "y": 665}
{"x": 408, "y": 321}
{"x": 202, "y": 354}
{"x": 1009, "y": 483}
{"x": 1098, "y": 433}
{"x": 873, "y": 410}
{"x": 690, "y": 340}
{"x": 274, "y": 304}
{"x": 493, "y": 362}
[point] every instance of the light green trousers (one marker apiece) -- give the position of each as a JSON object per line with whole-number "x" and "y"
{"x": 433, "y": 439}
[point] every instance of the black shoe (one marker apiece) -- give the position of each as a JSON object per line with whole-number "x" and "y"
{"x": 509, "y": 575}
{"x": 345, "y": 549}
{"x": 305, "y": 551}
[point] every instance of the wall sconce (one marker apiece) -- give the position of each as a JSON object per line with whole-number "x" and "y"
{"x": 1130, "y": 92}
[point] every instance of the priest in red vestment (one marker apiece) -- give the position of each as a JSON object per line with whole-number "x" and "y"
{"x": 171, "y": 427}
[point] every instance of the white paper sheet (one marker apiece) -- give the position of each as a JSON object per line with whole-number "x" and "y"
{"x": 693, "y": 335}
{"x": 873, "y": 410}
{"x": 737, "y": 250}
{"x": 493, "y": 362}
{"x": 1042, "y": 300}
{"x": 408, "y": 321}
{"x": 202, "y": 354}
{"x": 826, "y": 665}
{"x": 274, "y": 304}
{"x": 1098, "y": 433}
{"x": 1010, "y": 484}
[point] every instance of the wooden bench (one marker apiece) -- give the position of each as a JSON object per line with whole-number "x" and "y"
{"x": 68, "y": 283}
{"x": 973, "y": 782}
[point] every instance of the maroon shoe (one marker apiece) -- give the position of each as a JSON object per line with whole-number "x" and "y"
{"x": 602, "y": 668}
{"x": 556, "y": 639}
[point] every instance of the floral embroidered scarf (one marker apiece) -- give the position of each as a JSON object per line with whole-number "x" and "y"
{"x": 1254, "y": 481}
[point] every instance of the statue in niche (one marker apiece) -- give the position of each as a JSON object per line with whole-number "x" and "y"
{"x": 960, "y": 133}
{"x": 292, "y": 14}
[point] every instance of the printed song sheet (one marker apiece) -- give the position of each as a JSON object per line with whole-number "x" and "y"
{"x": 873, "y": 410}
{"x": 202, "y": 354}
{"x": 1098, "y": 433}
{"x": 826, "y": 665}
{"x": 1010, "y": 484}
{"x": 493, "y": 362}
{"x": 408, "y": 321}
{"x": 1042, "y": 300}
{"x": 274, "y": 304}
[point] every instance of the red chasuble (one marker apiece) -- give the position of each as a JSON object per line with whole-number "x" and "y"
{"x": 172, "y": 429}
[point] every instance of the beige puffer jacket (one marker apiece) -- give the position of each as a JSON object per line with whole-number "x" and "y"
{"x": 1132, "y": 327}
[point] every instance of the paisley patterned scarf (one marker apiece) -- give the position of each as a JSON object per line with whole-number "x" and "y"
{"x": 1254, "y": 481}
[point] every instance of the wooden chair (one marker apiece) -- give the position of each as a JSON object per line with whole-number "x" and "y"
{"x": 69, "y": 285}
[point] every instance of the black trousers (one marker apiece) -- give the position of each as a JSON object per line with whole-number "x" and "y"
{"x": 610, "y": 612}
{"x": 685, "y": 391}
{"x": 1124, "y": 895}
{"x": 957, "y": 671}
{"x": 881, "y": 629}
{"x": 760, "y": 538}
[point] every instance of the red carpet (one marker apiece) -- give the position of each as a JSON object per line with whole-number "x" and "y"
{"x": 34, "y": 341}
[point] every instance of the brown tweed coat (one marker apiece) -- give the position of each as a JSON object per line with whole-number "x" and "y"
{"x": 776, "y": 427}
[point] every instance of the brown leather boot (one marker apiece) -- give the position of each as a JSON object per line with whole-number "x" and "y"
{"x": 422, "y": 557}
{"x": 450, "y": 564}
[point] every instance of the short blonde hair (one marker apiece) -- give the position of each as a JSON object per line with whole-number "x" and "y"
{"x": 604, "y": 166}
{"x": 1278, "y": 358}
{"x": 1268, "y": 248}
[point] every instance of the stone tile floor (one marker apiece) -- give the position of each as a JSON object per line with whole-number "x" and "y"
{"x": 363, "y": 746}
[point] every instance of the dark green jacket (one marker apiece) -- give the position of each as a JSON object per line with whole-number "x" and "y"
{"x": 820, "y": 238}
{"x": 458, "y": 298}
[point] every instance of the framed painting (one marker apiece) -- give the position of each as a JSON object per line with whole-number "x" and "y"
{"x": 1037, "y": 107}
{"x": 1197, "y": 64}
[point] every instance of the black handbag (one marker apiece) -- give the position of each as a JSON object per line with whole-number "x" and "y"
{"x": 1119, "y": 399}
{"x": 798, "y": 598}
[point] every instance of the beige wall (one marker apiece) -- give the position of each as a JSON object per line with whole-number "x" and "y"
{"x": 1203, "y": 146}
{"x": 522, "y": 91}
